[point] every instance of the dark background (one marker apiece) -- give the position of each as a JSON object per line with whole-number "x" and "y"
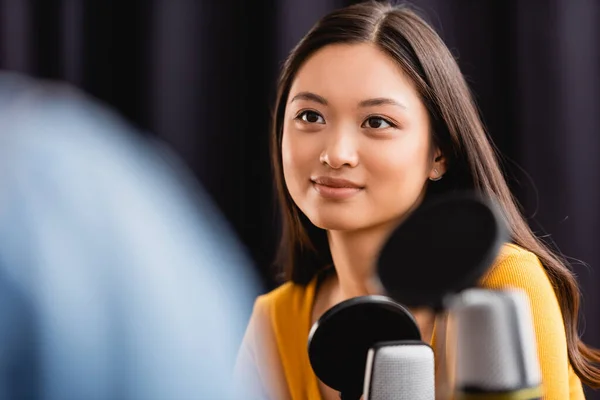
{"x": 201, "y": 76}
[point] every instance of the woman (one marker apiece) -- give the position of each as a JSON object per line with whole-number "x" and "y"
{"x": 373, "y": 117}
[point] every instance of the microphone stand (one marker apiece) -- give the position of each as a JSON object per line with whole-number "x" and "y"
{"x": 444, "y": 362}
{"x": 443, "y": 387}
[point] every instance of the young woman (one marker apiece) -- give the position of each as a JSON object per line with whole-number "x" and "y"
{"x": 373, "y": 117}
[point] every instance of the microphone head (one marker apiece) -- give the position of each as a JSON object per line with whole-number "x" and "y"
{"x": 401, "y": 370}
{"x": 339, "y": 341}
{"x": 443, "y": 247}
{"x": 496, "y": 349}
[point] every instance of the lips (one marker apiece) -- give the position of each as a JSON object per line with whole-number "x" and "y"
{"x": 335, "y": 182}
{"x": 335, "y": 188}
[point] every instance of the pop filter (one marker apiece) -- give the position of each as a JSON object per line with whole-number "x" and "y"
{"x": 445, "y": 246}
{"x": 340, "y": 340}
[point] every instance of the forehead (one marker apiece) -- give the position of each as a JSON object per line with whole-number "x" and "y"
{"x": 353, "y": 72}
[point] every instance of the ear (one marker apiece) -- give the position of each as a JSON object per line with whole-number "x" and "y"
{"x": 439, "y": 165}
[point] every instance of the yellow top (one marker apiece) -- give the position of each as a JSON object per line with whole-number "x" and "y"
{"x": 274, "y": 360}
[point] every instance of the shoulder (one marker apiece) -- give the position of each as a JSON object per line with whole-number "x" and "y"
{"x": 276, "y": 336}
{"x": 511, "y": 252}
{"x": 519, "y": 268}
{"x": 281, "y": 293}
{"x": 287, "y": 294}
{"x": 284, "y": 304}
{"x": 260, "y": 365}
{"x": 516, "y": 266}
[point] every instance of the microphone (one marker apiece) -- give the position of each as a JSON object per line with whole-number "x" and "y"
{"x": 442, "y": 248}
{"x": 402, "y": 370}
{"x": 496, "y": 355}
{"x": 339, "y": 342}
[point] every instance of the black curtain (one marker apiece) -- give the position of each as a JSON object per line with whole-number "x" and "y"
{"x": 201, "y": 76}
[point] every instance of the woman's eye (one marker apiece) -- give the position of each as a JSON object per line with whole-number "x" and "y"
{"x": 311, "y": 117}
{"x": 377, "y": 123}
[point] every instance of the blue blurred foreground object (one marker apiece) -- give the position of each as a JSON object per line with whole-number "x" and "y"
{"x": 119, "y": 279}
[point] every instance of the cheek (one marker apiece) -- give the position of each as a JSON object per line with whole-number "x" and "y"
{"x": 289, "y": 155}
{"x": 402, "y": 166}
{"x": 297, "y": 158}
{"x": 286, "y": 156}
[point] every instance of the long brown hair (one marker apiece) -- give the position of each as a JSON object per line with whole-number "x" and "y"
{"x": 457, "y": 130}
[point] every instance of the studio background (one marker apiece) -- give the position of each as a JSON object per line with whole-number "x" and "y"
{"x": 201, "y": 76}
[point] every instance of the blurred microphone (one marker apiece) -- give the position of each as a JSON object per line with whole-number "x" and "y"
{"x": 442, "y": 248}
{"x": 340, "y": 341}
{"x": 496, "y": 354}
{"x": 402, "y": 370}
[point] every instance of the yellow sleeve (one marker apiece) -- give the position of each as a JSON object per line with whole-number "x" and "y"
{"x": 522, "y": 269}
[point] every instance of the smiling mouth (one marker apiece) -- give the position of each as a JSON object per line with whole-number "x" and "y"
{"x": 335, "y": 182}
{"x": 335, "y": 189}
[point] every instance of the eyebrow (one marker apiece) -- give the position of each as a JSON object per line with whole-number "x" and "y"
{"x": 310, "y": 97}
{"x": 378, "y": 101}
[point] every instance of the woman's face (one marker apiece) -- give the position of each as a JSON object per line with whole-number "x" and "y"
{"x": 357, "y": 150}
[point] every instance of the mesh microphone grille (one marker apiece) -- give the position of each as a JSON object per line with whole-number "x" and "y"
{"x": 496, "y": 347}
{"x": 401, "y": 371}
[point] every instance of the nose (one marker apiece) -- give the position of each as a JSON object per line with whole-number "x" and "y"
{"x": 340, "y": 150}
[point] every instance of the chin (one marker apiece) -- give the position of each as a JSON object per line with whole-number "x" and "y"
{"x": 334, "y": 221}
{"x": 350, "y": 219}
{"x": 331, "y": 224}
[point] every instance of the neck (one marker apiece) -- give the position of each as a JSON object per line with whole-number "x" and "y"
{"x": 354, "y": 256}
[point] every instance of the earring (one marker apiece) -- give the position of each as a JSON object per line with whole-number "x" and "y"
{"x": 438, "y": 177}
